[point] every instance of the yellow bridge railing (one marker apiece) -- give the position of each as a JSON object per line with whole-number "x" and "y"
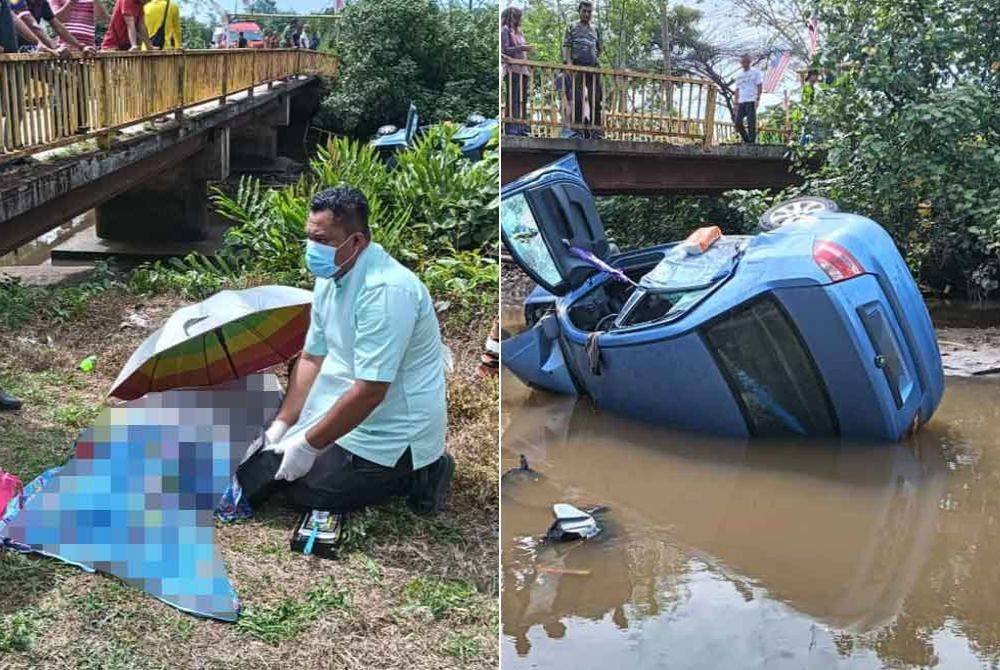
{"x": 552, "y": 100}
{"x": 47, "y": 102}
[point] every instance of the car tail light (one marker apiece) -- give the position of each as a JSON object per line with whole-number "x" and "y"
{"x": 836, "y": 261}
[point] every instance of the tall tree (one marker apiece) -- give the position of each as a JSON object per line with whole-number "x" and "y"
{"x": 783, "y": 22}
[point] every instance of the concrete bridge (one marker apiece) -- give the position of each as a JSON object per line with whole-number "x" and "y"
{"x": 143, "y": 164}
{"x": 646, "y": 168}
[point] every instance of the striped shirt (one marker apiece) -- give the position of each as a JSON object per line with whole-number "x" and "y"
{"x": 80, "y": 21}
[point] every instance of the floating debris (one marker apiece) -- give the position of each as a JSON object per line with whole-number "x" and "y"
{"x": 521, "y": 473}
{"x": 571, "y": 523}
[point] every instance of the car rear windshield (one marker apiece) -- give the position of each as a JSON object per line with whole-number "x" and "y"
{"x": 769, "y": 369}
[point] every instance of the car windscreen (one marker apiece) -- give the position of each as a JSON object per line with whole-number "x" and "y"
{"x": 769, "y": 369}
{"x": 681, "y": 272}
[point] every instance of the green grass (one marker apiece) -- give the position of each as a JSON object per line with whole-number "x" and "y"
{"x": 290, "y": 616}
{"x": 29, "y": 450}
{"x": 18, "y": 630}
{"x": 75, "y": 413}
{"x": 463, "y": 646}
{"x": 371, "y": 567}
{"x": 390, "y": 523}
{"x": 442, "y": 597}
{"x": 110, "y": 655}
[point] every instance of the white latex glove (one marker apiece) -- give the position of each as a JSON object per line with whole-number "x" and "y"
{"x": 297, "y": 458}
{"x": 275, "y": 432}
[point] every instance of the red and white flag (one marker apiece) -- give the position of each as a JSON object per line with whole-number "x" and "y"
{"x": 775, "y": 70}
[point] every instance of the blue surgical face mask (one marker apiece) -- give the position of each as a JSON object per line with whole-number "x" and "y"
{"x": 321, "y": 259}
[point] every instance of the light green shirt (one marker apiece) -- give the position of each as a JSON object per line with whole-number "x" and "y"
{"x": 377, "y": 323}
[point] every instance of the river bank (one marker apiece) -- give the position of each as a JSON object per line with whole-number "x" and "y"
{"x": 404, "y": 573}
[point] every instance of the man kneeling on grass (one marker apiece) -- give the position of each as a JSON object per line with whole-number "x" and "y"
{"x": 365, "y": 415}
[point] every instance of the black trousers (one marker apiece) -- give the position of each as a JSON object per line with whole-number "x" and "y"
{"x": 747, "y": 111}
{"x": 339, "y": 481}
{"x": 595, "y": 96}
{"x": 517, "y": 102}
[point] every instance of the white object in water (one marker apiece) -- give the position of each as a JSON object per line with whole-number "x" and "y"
{"x": 572, "y": 522}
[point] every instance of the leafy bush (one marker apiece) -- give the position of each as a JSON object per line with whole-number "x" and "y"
{"x": 908, "y": 131}
{"x": 393, "y": 52}
{"x": 435, "y": 212}
{"x": 638, "y": 221}
{"x": 20, "y": 302}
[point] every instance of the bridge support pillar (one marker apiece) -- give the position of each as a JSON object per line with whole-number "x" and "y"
{"x": 254, "y": 146}
{"x": 171, "y": 207}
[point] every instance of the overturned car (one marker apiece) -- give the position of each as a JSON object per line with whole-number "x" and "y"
{"x": 472, "y": 137}
{"x": 813, "y": 327}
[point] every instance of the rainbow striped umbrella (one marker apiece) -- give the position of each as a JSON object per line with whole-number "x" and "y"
{"x": 228, "y": 336}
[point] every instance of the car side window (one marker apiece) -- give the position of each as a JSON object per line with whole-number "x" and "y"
{"x": 773, "y": 375}
{"x": 523, "y": 235}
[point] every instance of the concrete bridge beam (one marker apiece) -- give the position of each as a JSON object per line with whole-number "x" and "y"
{"x": 644, "y": 168}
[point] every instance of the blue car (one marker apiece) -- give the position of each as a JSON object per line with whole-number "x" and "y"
{"x": 390, "y": 139}
{"x": 472, "y": 137}
{"x": 814, "y": 327}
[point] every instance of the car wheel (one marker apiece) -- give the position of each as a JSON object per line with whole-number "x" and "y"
{"x": 794, "y": 209}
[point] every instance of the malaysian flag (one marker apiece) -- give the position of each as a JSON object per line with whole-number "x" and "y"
{"x": 775, "y": 69}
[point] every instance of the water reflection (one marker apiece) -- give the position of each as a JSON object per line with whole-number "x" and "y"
{"x": 722, "y": 553}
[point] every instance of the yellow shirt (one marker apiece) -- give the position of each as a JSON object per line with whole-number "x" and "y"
{"x": 154, "y": 19}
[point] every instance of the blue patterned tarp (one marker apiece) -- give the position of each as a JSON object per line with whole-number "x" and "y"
{"x": 137, "y": 498}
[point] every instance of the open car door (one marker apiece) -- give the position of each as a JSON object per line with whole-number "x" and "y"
{"x": 411, "y": 124}
{"x": 542, "y": 216}
{"x": 546, "y": 213}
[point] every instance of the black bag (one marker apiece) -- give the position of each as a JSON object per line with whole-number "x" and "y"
{"x": 256, "y": 475}
{"x": 159, "y": 38}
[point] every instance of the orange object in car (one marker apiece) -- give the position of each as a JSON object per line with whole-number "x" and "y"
{"x": 700, "y": 240}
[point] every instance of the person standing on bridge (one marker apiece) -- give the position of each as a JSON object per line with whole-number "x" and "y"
{"x": 11, "y": 26}
{"x": 582, "y": 45}
{"x": 163, "y": 23}
{"x": 33, "y": 12}
{"x": 749, "y": 85}
{"x": 286, "y": 35}
{"x": 365, "y": 416}
{"x": 518, "y": 77}
{"x": 305, "y": 38}
{"x": 127, "y": 30}
{"x": 80, "y": 18}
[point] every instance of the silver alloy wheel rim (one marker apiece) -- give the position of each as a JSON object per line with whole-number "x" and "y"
{"x": 790, "y": 211}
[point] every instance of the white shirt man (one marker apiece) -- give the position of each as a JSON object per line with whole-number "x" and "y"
{"x": 749, "y": 83}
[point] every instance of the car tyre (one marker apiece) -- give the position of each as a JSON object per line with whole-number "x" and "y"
{"x": 791, "y": 210}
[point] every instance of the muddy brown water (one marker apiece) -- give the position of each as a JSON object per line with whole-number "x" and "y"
{"x": 723, "y": 553}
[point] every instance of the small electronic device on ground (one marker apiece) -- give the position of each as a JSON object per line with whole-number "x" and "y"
{"x": 317, "y": 533}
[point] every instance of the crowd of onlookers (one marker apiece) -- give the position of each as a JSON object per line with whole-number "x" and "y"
{"x": 580, "y": 93}
{"x": 579, "y": 90}
{"x": 64, "y": 27}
